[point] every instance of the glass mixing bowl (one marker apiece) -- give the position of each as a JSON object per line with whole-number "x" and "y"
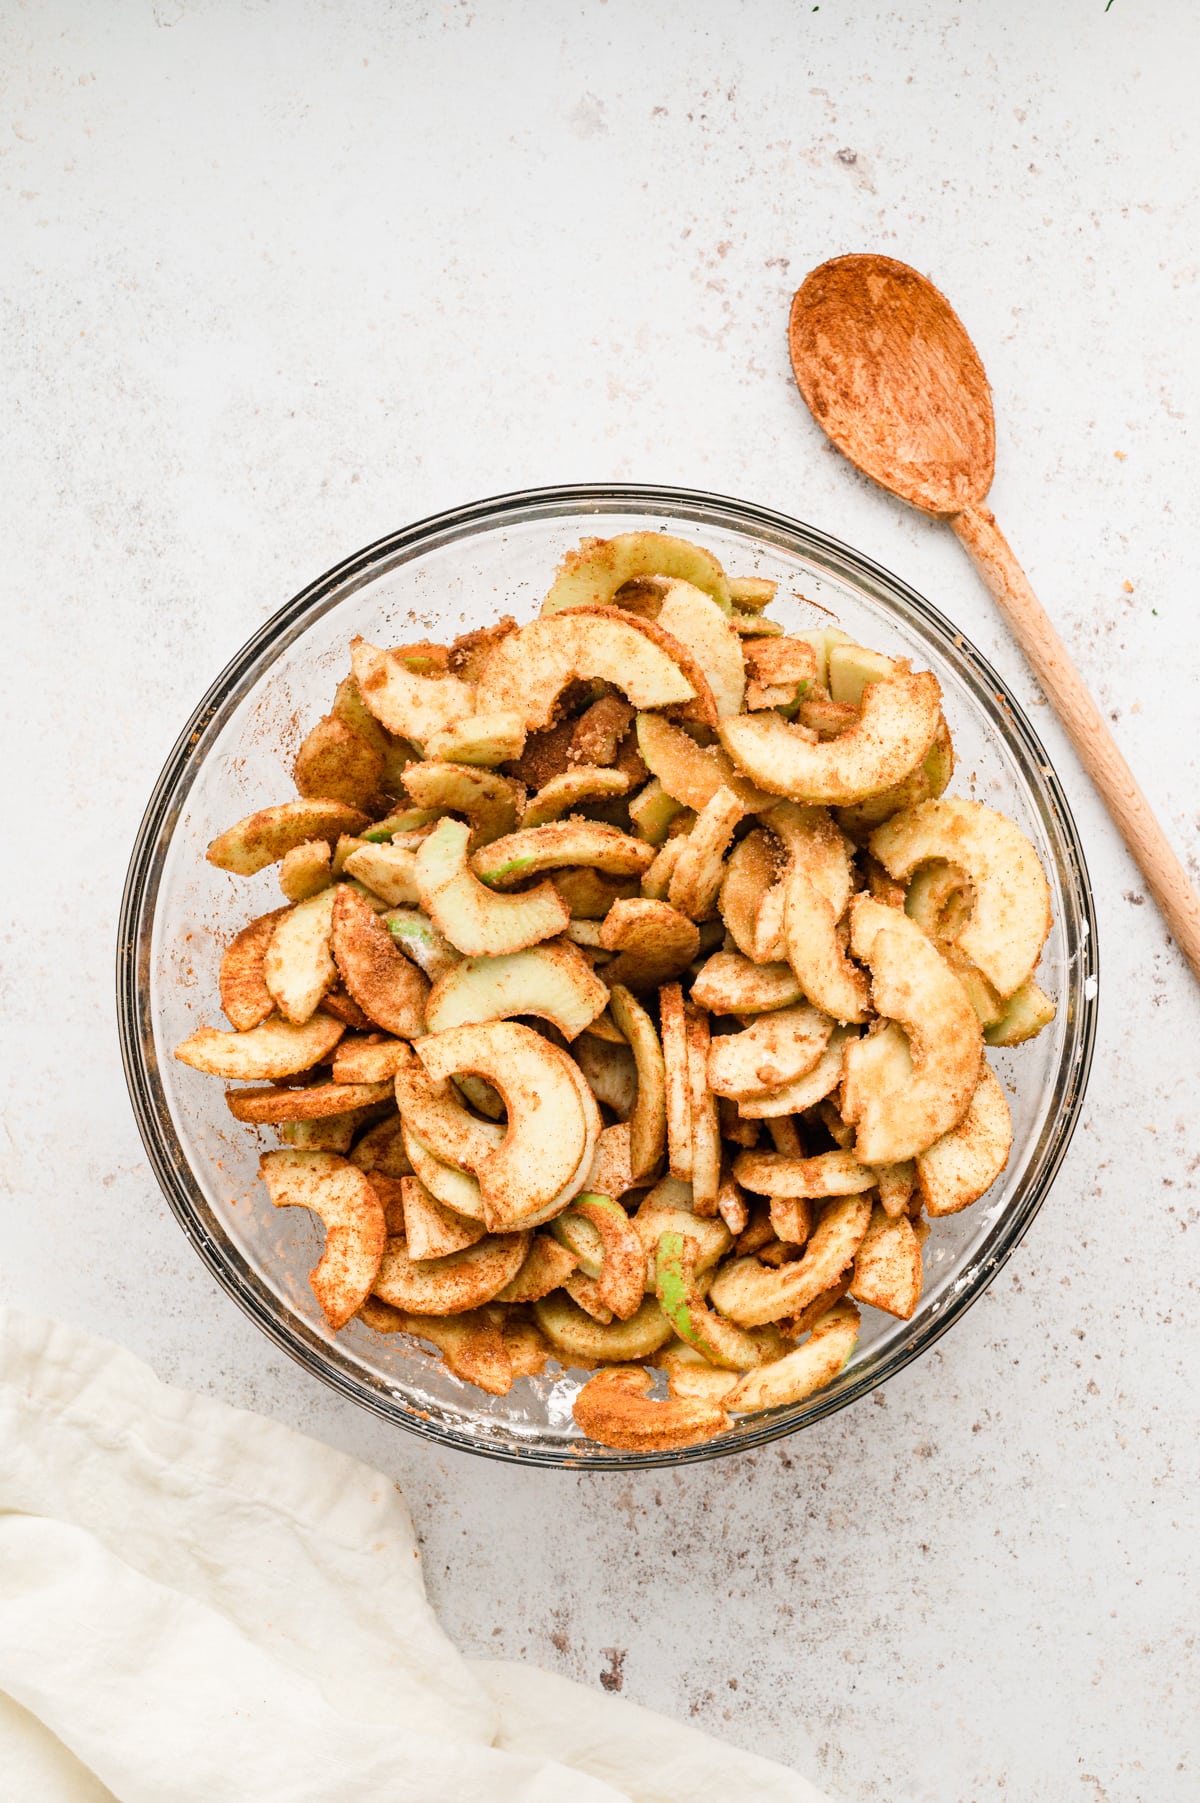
{"x": 438, "y": 578}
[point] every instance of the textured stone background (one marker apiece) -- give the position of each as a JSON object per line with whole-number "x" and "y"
{"x": 280, "y": 278}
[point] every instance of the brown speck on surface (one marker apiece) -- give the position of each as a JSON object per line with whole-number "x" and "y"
{"x": 614, "y": 1677}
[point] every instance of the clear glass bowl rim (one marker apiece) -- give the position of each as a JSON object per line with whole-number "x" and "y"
{"x": 238, "y": 678}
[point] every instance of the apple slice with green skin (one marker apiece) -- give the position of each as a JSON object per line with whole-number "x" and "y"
{"x": 590, "y": 575}
{"x": 267, "y": 836}
{"x": 1026, "y": 1012}
{"x": 548, "y": 1134}
{"x": 851, "y": 667}
{"x": 410, "y": 705}
{"x": 244, "y": 994}
{"x": 887, "y": 1266}
{"x": 691, "y": 774}
{"x": 721, "y": 1342}
{"x": 1011, "y": 917}
{"x": 575, "y": 1336}
{"x": 896, "y": 727}
{"x": 752, "y": 1294}
{"x": 570, "y": 789}
{"x": 554, "y": 982}
{"x": 527, "y": 671}
{"x": 450, "y": 1285}
{"x": 264, "y": 1054}
{"x": 958, "y": 1168}
{"x": 388, "y": 871}
{"x": 472, "y": 917}
{"x": 388, "y": 988}
{"x": 479, "y": 739}
{"x": 620, "y": 1271}
{"x": 647, "y": 1123}
{"x": 698, "y": 622}
{"x": 559, "y": 844}
{"x": 616, "y": 1409}
{"x": 651, "y": 812}
{"x": 446, "y": 1183}
{"x": 775, "y": 1049}
{"x": 828, "y": 1174}
{"x": 491, "y": 802}
{"x": 433, "y": 1111}
{"x": 900, "y": 1115}
{"x": 420, "y": 940}
{"x": 730, "y": 984}
{"x": 340, "y": 1195}
{"x": 409, "y": 820}
{"x": 801, "y": 1373}
{"x": 711, "y": 1237}
{"x": 547, "y": 1267}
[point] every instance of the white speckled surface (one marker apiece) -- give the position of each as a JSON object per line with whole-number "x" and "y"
{"x": 281, "y": 278}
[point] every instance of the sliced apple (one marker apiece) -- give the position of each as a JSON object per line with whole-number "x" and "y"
{"x": 697, "y": 621}
{"x": 313, "y": 1102}
{"x": 454, "y": 1188}
{"x": 696, "y": 877}
{"x": 647, "y": 1123}
{"x": 610, "y": 1071}
{"x": 895, "y": 729}
{"x": 548, "y": 1132}
{"x": 389, "y": 871}
{"x": 987, "y": 1004}
{"x": 367, "y": 1060}
{"x": 431, "y": 1230}
{"x": 827, "y": 1174}
{"x": 273, "y": 1049}
{"x": 775, "y": 1049}
{"x": 849, "y": 668}
{"x": 689, "y": 773}
{"x": 786, "y": 663}
{"x": 586, "y": 782}
{"x": 306, "y": 870}
{"x": 382, "y": 1149}
{"x": 420, "y": 940}
{"x": 1011, "y": 916}
{"x": 547, "y": 1266}
{"x": 472, "y": 917}
{"x": 655, "y": 943}
{"x": 590, "y": 575}
{"x": 244, "y": 994}
{"x": 434, "y": 1113}
{"x": 611, "y": 1173}
{"x": 957, "y": 1169}
{"x": 267, "y": 836}
{"x": 751, "y": 870}
{"x": 479, "y": 739}
{"x": 914, "y": 986}
{"x": 825, "y": 975}
{"x": 339, "y": 764}
{"x": 657, "y": 881}
{"x": 617, "y": 1409}
{"x": 573, "y": 1332}
{"x": 490, "y": 802}
{"x": 690, "y": 1377}
{"x": 721, "y": 1342}
{"x": 895, "y": 1183}
{"x": 1026, "y": 1012}
{"x": 658, "y": 1215}
{"x": 769, "y": 942}
{"x": 474, "y": 1347}
{"x": 589, "y": 894}
{"x": 449, "y": 1286}
{"x": 801, "y": 1373}
{"x": 342, "y": 1198}
{"x": 598, "y": 733}
{"x": 677, "y": 1080}
{"x": 577, "y": 841}
{"x": 939, "y": 899}
{"x": 751, "y": 1293}
{"x": 814, "y": 844}
{"x": 730, "y": 984}
{"x": 620, "y": 1271}
{"x": 554, "y": 982}
{"x": 386, "y": 986}
{"x": 527, "y": 672}
{"x": 585, "y": 1292}
{"x": 411, "y": 705}
{"x": 888, "y": 1270}
{"x": 924, "y": 781}
{"x": 652, "y": 810}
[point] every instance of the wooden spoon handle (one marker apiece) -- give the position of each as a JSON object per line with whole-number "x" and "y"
{"x": 1149, "y": 846}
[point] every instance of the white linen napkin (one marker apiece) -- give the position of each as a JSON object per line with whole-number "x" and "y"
{"x": 198, "y": 1605}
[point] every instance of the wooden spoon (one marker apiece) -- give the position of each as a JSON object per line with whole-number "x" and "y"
{"x": 887, "y": 368}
